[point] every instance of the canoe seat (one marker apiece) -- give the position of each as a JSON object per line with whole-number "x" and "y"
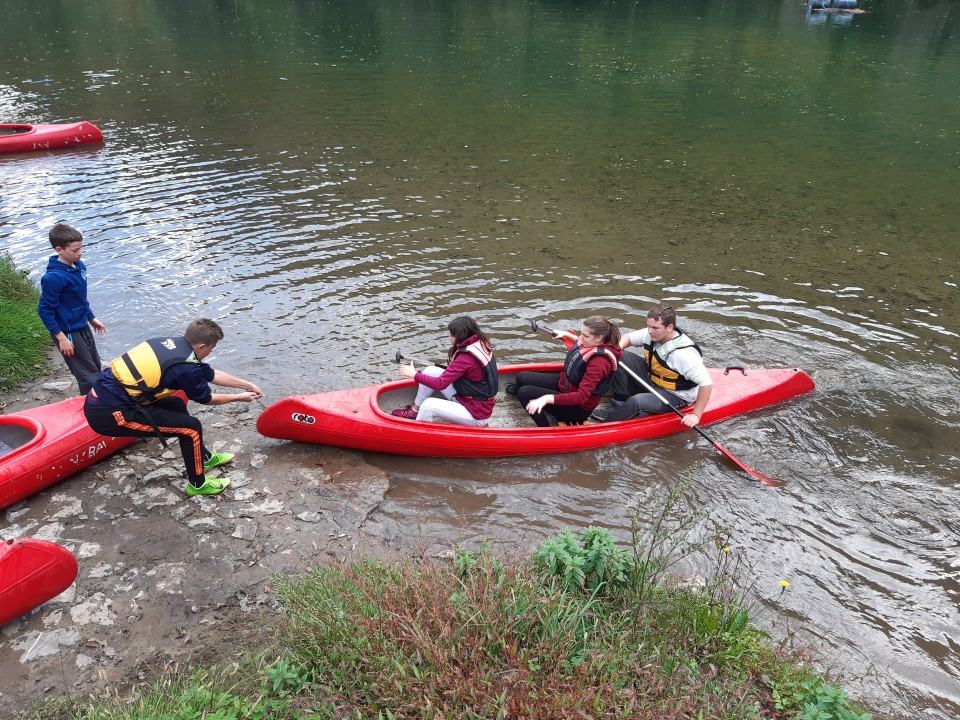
{"x": 12, "y": 437}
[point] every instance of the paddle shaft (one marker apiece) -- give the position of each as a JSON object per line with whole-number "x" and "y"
{"x": 649, "y": 388}
{"x": 418, "y": 361}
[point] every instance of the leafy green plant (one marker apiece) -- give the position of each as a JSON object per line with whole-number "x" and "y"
{"x": 284, "y": 678}
{"x": 563, "y": 556}
{"x": 813, "y": 699}
{"x": 589, "y": 561}
{"x": 603, "y": 562}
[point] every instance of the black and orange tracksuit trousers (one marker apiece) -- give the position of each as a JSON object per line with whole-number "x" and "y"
{"x": 168, "y": 415}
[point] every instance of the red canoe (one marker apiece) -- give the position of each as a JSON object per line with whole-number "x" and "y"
{"x": 32, "y": 572}
{"x": 43, "y": 445}
{"x": 26, "y": 138}
{"x": 360, "y": 418}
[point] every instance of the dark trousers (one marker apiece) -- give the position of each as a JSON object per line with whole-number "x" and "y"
{"x": 623, "y": 385}
{"x": 169, "y": 415}
{"x": 85, "y": 361}
{"x": 637, "y": 400}
{"x": 532, "y": 385}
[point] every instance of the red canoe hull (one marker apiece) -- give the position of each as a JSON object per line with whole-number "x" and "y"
{"x": 355, "y": 419}
{"x": 61, "y": 443}
{"x": 27, "y": 138}
{"x": 32, "y": 572}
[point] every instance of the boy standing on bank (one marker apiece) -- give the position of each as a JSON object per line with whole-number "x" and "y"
{"x": 64, "y": 309}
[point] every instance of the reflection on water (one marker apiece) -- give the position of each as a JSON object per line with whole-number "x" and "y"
{"x": 332, "y": 182}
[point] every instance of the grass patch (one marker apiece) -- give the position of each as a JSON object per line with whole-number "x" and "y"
{"x": 580, "y": 629}
{"x": 24, "y": 341}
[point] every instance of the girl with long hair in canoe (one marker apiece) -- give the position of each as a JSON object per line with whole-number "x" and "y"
{"x": 573, "y": 394}
{"x": 468, "y": 384}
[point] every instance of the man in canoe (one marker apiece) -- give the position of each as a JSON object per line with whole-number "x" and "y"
{"x": 671, "y": 361}
{"x": 134, "y": 397}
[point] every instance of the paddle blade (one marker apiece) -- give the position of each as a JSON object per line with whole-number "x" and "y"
{"x": 567, "y": 340}
{"x": 769, "y": 482}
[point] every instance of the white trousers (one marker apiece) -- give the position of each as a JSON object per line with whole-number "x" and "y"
{"x": 445, "y": 408}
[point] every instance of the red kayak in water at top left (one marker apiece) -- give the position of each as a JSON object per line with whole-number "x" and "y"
{"x": 17, "y": 138}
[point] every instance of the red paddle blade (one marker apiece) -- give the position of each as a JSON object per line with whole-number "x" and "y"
{"x": 769, "y": 482}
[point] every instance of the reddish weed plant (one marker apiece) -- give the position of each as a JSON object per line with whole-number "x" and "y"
{"x": 422, "y": 640}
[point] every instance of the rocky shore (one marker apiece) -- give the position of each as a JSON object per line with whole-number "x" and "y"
{"x": 169, "y": 579}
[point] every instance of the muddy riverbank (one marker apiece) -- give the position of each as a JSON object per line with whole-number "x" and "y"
{"x": 168, "y": 579}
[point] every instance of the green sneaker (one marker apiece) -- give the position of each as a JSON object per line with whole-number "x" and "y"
{"x": 211, "y": 486}
{"x": 217, "y": 459}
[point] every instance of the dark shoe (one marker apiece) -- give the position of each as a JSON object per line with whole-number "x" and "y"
{"x": 405, "y": 412}
{"x": 511, "y": 389}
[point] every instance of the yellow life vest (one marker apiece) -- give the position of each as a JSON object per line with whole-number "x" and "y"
{"x": 139, "y": 370}
{"x": 656, "y": 362}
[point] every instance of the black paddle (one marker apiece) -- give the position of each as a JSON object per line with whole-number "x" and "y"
{"x": 746, "y": 468}
{"x": 401, "y": 358}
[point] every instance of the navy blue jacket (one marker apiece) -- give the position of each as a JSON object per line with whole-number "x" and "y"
{"x": 63, "y": 297}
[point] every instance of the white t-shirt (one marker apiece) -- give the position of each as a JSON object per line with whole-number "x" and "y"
{"x": 686, "y": 361}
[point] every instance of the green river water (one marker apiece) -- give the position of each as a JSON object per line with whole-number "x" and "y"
{"x": 333, "y": 180}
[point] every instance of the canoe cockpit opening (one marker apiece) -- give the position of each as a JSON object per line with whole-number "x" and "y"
{"x": 15, "y": 129}
{"x": 12, "y": 437}
{"x": 507, "y": 413}
{"x": 393, "y": 399}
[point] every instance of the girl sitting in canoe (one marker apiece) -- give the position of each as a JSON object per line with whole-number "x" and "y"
{"x": 468, "y": 384}
{"x": 587, "y": 374}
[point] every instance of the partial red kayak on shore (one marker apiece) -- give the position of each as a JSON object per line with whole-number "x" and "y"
{"x": 32, "y": 572}
{"x": 360, "y": 418}
{"x": 17, "y": 138}
{"x": 43, "y": 445}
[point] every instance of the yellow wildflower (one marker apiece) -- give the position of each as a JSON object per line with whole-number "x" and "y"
{"x": 784, "y": 584}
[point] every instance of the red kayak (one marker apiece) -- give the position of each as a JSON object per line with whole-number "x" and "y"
{"x": 43, "y": 445}
{"x": 361, "y": 419}
{"x": 32, "y": 572}
{"x": 26, "y": 138}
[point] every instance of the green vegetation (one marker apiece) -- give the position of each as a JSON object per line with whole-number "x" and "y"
{"x": 581, "y": 629}
{"x": 23, "y": 339}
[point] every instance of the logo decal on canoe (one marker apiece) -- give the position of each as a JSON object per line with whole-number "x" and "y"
{"x": 305, "y": 419}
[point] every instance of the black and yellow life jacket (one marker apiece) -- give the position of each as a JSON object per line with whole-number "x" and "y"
{"x": 140, "y": 370}
{"x": 479, "y": 389}
{"x": 656, "y": 362}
